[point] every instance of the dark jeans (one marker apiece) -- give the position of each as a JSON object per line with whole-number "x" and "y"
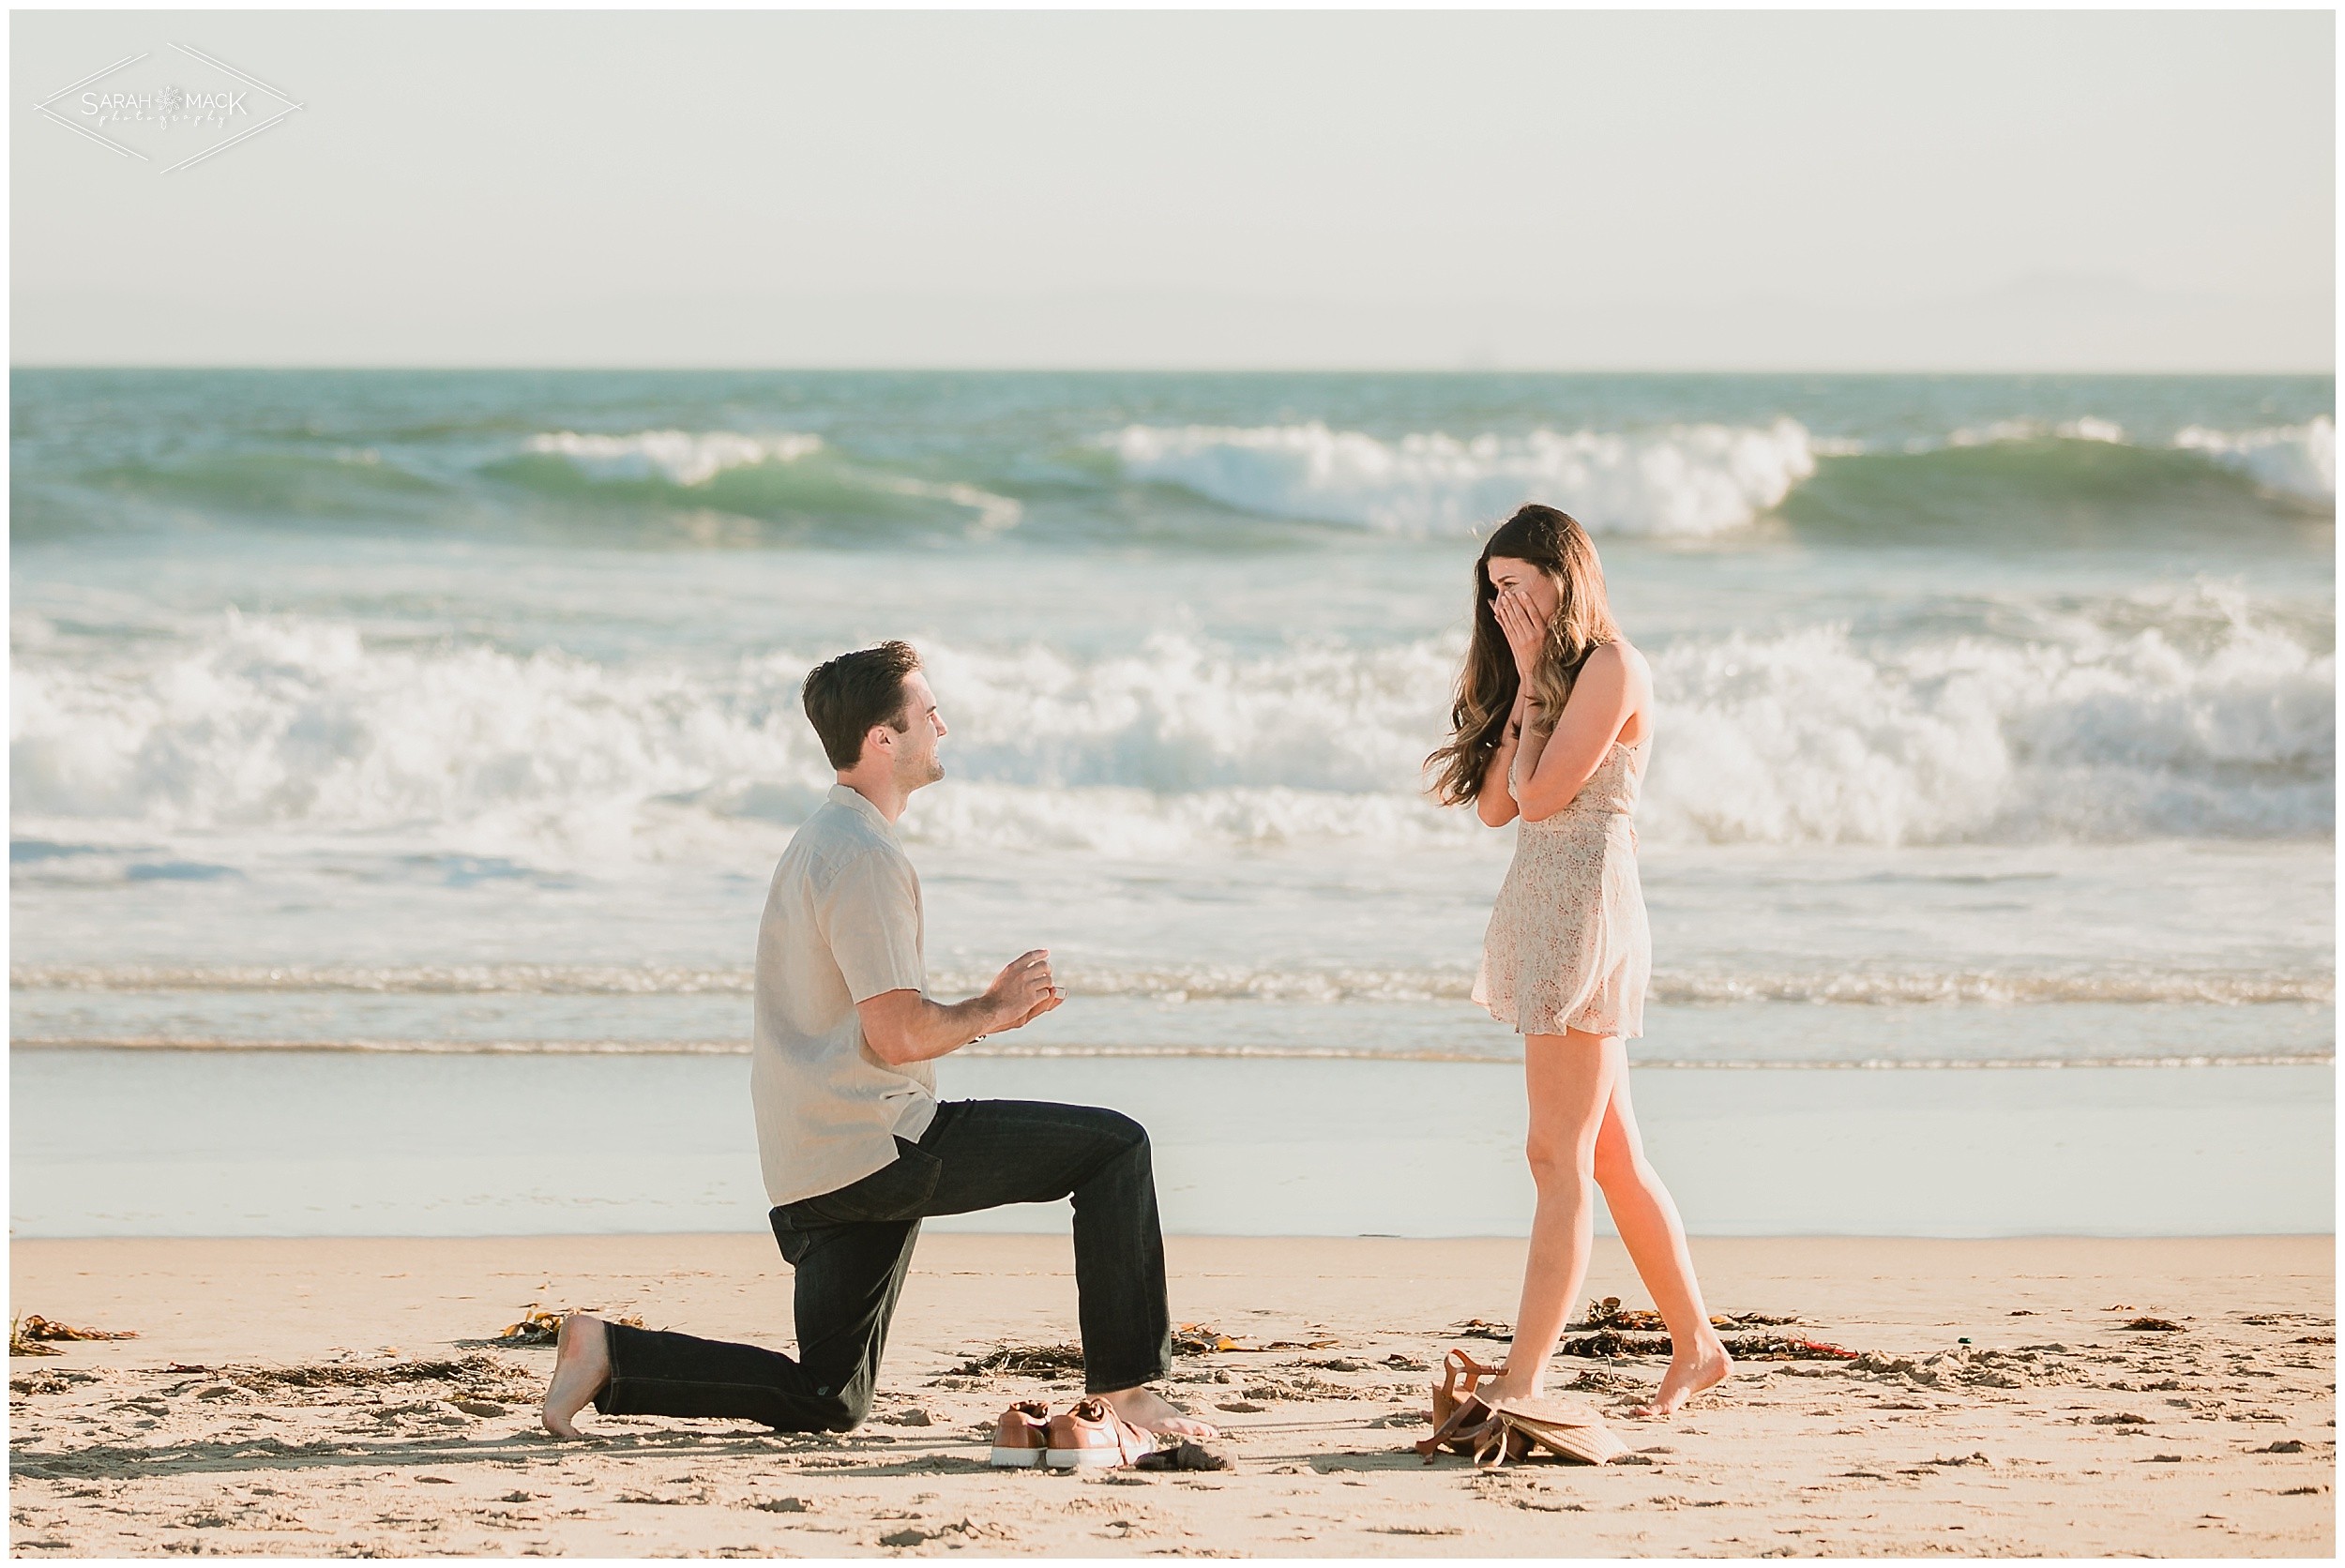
{"x": 851, "y": 1248}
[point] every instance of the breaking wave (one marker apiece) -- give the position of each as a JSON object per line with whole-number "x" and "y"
{"x": 2194, "y": 713}
{"x": 2008, "y": 431}
{"x": 2105, "y": 734}
{"x": 2291, "y": 459}
{"x": 679, "y": 456}
{"x": 1701, "y": 481}
{"x": 1999, "y": 480}
{"x": 770, "y": 477}
{"x": 2298, "y": 461}
{"x": 1684, "y": 481}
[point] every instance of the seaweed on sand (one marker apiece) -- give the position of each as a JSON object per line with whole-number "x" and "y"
{"x": 22, "y": 1344}
{"x": 1611, "y": 1330}
{"x": 1204, "y": 1339}
{"x": 475, "y": 1376}
{"x": 1033, "y": 1360}
{"x": 1610, "y": 1313}
{"x": 538, "y": 1327}
{"x": 1610, "y": 1344}
{"x": 30, "y": 1335}
{"x": 1485, "y": 1328}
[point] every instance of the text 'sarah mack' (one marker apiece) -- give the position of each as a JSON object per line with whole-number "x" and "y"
{"x": 169, "y": 105}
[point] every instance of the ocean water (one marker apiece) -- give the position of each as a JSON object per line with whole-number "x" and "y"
{"x": 445, "y": 714}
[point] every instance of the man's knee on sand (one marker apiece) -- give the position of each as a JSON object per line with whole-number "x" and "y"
{"x": 844, "y": 1410}
{"x": 845, "y": 1415}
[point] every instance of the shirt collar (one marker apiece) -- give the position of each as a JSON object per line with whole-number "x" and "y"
{"x": 853, "y": 800}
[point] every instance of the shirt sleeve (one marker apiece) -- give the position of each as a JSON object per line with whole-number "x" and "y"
{"x": 870, "y": 918}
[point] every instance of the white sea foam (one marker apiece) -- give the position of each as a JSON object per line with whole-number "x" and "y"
{"x": 995, "y": 512}
{"x": 693, "y": 458}
{"x": 2298, "y": 461}
{"x": 2292, "y": 459}
{"x": 1678, "y": 481}
{"x": 1811, "y": 736}
{"x": 297, "y": 723}
{"x": 2087, "y": 428}
{"x": 1856, "y": 986}
{"x": 679, "y": 456}
{"x": 2193, "y": 716}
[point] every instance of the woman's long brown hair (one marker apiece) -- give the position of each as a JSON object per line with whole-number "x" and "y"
{"x": 1554, "y": 543}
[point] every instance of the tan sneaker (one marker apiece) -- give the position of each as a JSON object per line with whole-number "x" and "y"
{"x": 1020, "y": 1435}
{"x": 1093, "y": 1436}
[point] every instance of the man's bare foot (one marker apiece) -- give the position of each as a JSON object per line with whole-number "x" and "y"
{"x": 581, "y": 1365}
{"x": 1708, "y": 1367}
{"x": 1149, "y": 1413}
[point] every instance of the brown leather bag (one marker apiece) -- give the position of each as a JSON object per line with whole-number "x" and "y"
{"x": 1493, "y": 1431}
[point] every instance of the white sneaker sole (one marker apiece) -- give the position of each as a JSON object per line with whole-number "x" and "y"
{"x": 1016, "y": 1458}
{"x": 1083, "y": 1458}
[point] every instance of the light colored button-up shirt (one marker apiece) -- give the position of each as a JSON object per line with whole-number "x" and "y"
{"x": 841, "y": 926}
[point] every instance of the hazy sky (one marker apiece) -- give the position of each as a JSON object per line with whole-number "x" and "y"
{"x": 2149, "y": 190}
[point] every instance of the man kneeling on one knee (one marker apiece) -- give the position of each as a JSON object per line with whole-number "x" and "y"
{"x": 857, "y": 1148}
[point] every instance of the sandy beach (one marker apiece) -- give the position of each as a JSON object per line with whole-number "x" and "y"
{"x": 319, "y": 1396}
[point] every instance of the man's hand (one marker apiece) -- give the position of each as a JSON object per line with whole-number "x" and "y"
{"x": 902, "y": 1027}
{"x": 1024, "y": 991}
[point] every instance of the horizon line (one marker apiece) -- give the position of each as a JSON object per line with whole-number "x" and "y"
{"x": 865, "y": 368}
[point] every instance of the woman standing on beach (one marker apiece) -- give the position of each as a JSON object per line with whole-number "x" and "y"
{"x": 1552, "y": 723}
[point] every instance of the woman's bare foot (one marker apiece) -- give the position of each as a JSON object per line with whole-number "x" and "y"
{"x": 1708, "y": 1367}
{"x": 581, "y": 1365}
{"x": 1150, "y": 1413}
{"x": 1505, "y": 1386}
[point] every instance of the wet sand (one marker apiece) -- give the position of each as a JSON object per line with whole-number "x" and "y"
{"x": 255, "y": 1143}
{"x": 317, "y": 1397}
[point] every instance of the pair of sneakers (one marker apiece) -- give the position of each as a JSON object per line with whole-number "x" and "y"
{"x": 1088, "y": 1435}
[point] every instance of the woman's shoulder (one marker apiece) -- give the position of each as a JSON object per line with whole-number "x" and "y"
{"x": 1618, "y": 655}
{"x": 1620, "y": 660}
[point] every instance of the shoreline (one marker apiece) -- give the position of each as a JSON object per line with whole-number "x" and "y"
{"x": 128, "y": 1143}
{"x": 1155, "y": 1053}
{"x": 332, "y": 1396}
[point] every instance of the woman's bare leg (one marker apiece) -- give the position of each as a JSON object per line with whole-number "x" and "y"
{"x": 1569, "y": 1079}
{"x": 1656, "y": 1238}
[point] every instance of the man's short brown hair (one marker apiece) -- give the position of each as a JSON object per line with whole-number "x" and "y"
{"x": 845, "y": 696}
